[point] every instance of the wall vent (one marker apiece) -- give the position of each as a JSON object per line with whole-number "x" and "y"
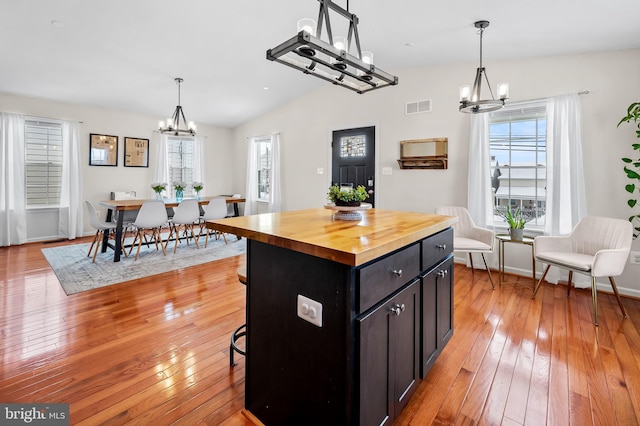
{"x": 417, "y": 107}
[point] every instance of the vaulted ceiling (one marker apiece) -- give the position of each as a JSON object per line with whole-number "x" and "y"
{"x": 125, "y": 54}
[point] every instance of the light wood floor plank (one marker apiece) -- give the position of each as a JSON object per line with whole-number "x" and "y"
{"x": 155, "y": 350}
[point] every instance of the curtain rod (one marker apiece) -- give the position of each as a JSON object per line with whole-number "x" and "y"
{"x": 584, "y": 92}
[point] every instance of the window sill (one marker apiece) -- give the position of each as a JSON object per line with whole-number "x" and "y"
{"x": 42, "y": 208}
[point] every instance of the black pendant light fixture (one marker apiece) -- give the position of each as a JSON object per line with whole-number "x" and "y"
{"x": 332, "y": 60}
{"x": 177, "y": 125}
{"x": 470, "y": 99}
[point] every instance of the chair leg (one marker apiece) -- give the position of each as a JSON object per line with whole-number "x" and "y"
{"x": 493, "y": 286}
{"x": 139, "y": 245}
{"x": 158, "y": 236}
{"x": 95, "y": 241}
{"x": 95, "y": 252}
{"x": 473, "y": 272}
{"x": 535, "y": 289}
{"x": 594, "y": 297}
{"x": 569, "y": 282}
{"x": 615, "y": 291}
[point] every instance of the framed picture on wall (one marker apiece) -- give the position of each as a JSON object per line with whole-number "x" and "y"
{"x": 136, "y": 152}
{"x": 103, "y": 150}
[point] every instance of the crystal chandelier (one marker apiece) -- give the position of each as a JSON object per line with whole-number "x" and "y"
{"x": 470, "y": 100}
{"x": 332, "y": 59}
{"x": 177, "y": 124}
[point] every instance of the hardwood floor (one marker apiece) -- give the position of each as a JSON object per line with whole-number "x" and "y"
{"x": 156, "y": 350}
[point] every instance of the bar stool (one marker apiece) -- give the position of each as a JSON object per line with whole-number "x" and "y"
{"x": 240, "y": 331}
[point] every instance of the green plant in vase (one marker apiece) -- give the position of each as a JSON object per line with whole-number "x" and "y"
{"x": 347, "y": 195}
{"x": 516, "y": 220}
{"x": 179, "y": 187}
{"x": 197, "y": 186}
{"x": 633, "y": 115}
{"x": 158, "y": 187}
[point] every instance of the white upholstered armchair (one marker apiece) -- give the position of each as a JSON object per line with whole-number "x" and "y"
{"x": 597, "y": 246}
{"x": 468, "y": 237}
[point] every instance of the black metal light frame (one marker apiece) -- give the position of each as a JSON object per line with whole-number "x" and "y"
{"x": 301, "y": 52}
{"x": 177, "y": 115}
{"x": 487, "y": 105}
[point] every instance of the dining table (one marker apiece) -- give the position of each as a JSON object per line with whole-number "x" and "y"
{"x": 114, "y": 206}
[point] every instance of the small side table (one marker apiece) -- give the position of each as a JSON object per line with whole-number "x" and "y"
{"x": 506, "y": 238}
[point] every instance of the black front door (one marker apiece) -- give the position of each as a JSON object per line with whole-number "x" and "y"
{"x": 354, "y": 154}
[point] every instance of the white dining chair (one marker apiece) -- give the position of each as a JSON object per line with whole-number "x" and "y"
{"x": 470, "y": 238}
{"x": 151, "y": 217}
{"x": 216, "y": 209}
{"x": 100, "y": 227}
{"x": 185, "y": 216}
{"x": 597, "y": 247}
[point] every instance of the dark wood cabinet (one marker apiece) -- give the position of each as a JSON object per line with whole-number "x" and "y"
{"x": 389, "y": 349}
{"x": 383, "y": 323}
{"x": 437, "y": 312}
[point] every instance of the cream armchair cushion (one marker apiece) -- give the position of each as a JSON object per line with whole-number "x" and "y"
{"x": 597, "y": 246}
{"x": 468, "y": 237}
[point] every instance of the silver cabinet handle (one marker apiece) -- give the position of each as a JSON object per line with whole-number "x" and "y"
{"x": 397, "y": 309}
{"x": 442, "y": 246}
{"x": 442, "y": 273}
{"x": 397, "y": 272}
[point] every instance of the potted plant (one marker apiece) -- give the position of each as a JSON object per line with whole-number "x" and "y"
{"x": 633, "y": 114}
{"x": 347, "y": 195}
{"x": 516, "y": 220}
{"x": 158, "y": 187}
{"x": 179, "y": 187}
{"x": 197, "y": 186}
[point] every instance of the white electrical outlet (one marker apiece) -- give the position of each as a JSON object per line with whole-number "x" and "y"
{"x": 387, "y": 171}
{"x": 634, "y": 257}
{"x": 310, "y": 310}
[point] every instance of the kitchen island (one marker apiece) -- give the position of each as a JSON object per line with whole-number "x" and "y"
{"x": 344, "y": 318}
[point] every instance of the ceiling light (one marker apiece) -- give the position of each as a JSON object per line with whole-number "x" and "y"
{"x": 470, "y": 100}
{"x": 332, "y": 59}
{"x": 177, "y": 124}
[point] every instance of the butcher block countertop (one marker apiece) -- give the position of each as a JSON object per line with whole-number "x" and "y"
{"x": 315, "y": 232}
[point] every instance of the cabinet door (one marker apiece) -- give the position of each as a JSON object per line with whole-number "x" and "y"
{"x": 437, "y": 312}
{"x": 389, "y": 356}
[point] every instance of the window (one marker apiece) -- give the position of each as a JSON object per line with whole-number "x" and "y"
{"x": 518, "y": 152}
{"x": 43, "y": 156}
{"x": 353, "y": 146}
{"x": 181, "y": 162}
{"x": 263, "y": 151}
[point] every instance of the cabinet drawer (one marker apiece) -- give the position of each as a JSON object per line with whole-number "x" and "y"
{"x": 436, "y": 247}
{"x": 381, "y": 278}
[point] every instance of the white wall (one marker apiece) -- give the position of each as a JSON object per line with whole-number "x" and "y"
{"x": 305, "y": 127}
{"x": 99, "y": 181}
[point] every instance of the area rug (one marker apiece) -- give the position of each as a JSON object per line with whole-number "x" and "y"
{"x": 77, "y": 273}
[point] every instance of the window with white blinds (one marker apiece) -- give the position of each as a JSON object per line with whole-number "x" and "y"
{"x": 43, "y": 156}
{"x": 518, "y": 152}
{"x": 181, "y": 161}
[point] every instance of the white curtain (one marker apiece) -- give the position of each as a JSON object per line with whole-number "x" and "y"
{"x": 199, "y": 160}
{"x": 13, "y": 221}
{"x": 275, "y": 203}
{"x": 161, "y": 169}
{"x": 479, "y": 197}
{"x": 251, "y": 198}
{"x": 70, "y": 218}
{"x": 275, "y": 200}
{"x": 566, "y": 199}
{"x": 566, "y": 196}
